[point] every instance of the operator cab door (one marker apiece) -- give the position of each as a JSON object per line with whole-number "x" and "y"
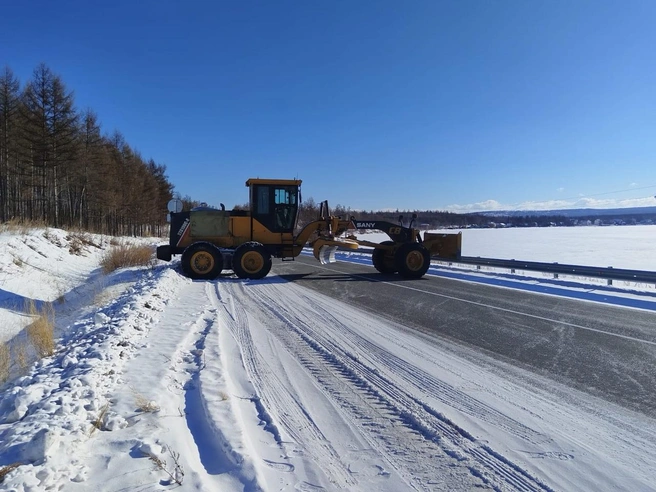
{"x": 275, "y": 206}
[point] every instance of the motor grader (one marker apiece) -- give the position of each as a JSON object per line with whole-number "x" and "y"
{"x": 245, "y": 241}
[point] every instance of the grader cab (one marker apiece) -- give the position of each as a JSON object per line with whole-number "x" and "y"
{"x": 245, "y": 241}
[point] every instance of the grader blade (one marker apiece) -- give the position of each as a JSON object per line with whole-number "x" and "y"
{"x": 327, "y": 254}
{"x": 324, "y": 248}
{"x": 324, "y": 252}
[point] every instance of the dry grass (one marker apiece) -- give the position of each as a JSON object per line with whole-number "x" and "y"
{"x": 52, "y": 238}
{"x": 98, "y": 423}
{"x": 74, "y": 245}
{"x": 21, "y": 226}
{"x": 176, "y": 474}
{"x": 125, "y": 255}
{"x": 4, "y": 471}
{"x": 20, "y": 354}
{"x": 77, "y": 241}
{"x": 5, "y": 362}
{"x": 41, "y": 333}
{"x": 144, "y": 404}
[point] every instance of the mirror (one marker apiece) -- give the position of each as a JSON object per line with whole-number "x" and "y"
{"x": 175, "y": 206}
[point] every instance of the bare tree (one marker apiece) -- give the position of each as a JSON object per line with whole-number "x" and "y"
{"x": 56, "y": 167}
{"x": 9, "y": 121}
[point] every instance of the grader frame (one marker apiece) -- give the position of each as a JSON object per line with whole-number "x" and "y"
{"x": 211, "y": 240}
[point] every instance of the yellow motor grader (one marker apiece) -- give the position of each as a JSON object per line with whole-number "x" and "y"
{"x": 245, "y": 241}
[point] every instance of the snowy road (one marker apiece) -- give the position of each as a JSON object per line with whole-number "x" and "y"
{"x": 606, "y": 350}
{"x": 270, "y": 385}
{"x": 332, "y": 378}
{"x": 361, "y": 404}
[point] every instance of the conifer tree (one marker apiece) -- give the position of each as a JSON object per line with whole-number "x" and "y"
{"x": 9, "y": 128}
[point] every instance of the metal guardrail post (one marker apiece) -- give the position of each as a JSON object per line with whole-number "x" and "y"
{"x": 608, "y": 273}
{"x": 556, "y": 269}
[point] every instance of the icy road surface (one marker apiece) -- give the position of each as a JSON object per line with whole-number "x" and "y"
{"x": 375, "y": 406}
{"x": 333, "y": 384}
{"x": 265, "y": 385}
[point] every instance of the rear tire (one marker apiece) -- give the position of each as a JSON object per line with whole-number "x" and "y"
{"x": 383, "y": 259}
{"x": 202, "y": 261}
{"x": 412, "y": 260}
{"x": 251, "y": 260}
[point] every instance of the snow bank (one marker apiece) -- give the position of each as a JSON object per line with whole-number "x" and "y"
{"x": 65, "y": 399}
{"x": 52, "y": 265}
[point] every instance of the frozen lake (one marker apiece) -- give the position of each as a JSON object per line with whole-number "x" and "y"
{"x": 632, "y": 247}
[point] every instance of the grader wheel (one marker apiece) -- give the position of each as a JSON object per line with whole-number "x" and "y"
{"x": 412, "y": 260}
{"x": 202, "y": 261}
{"x": 383, "y": 259}
{"x": 251, "y": 260}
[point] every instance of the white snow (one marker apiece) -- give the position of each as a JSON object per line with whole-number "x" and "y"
{"x": 231, "y": 385}
{"x": 630, "y": 247}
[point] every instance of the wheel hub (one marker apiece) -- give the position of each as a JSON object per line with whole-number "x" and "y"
{"x": 252, "y": 262}
{"x": 414, "y": 260}
{"x": 202, "y": 262}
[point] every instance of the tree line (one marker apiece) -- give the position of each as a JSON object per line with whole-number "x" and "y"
{"x": 57, "y": 168}
{"x": 431, "y": 219}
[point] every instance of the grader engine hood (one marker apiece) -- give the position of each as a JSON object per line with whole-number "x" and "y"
{"x": 210, "y": 223}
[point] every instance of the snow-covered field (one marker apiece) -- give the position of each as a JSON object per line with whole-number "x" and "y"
{"x": 263, "y": 385}
{"x": 629, "y": 247}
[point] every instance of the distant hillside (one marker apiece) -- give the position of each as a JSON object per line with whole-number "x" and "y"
{"x": 572, "y": 213}
{"x": 435, "y": 219}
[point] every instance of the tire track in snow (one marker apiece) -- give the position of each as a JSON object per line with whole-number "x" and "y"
{"x": 216, "y": 454}
{"x": 432, "y": 386}
{"x": 271, "y": 395}
{"x": 421, "y": 465}
{"x": 422, "y": 430}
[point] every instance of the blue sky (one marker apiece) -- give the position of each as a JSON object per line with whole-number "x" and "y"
{"x": 460, "y": 105}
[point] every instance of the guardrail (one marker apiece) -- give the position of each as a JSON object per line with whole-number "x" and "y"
{"x": 608, "y": 273}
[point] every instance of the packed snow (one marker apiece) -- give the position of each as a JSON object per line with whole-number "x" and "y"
{"x": 162, "y": 383}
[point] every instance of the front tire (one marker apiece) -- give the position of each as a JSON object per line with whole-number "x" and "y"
{"x": 383, "y": 259}
{"x": 251, "y": 260}
{"x": 412, "y": 260}
{"x": 202, "y": 261}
